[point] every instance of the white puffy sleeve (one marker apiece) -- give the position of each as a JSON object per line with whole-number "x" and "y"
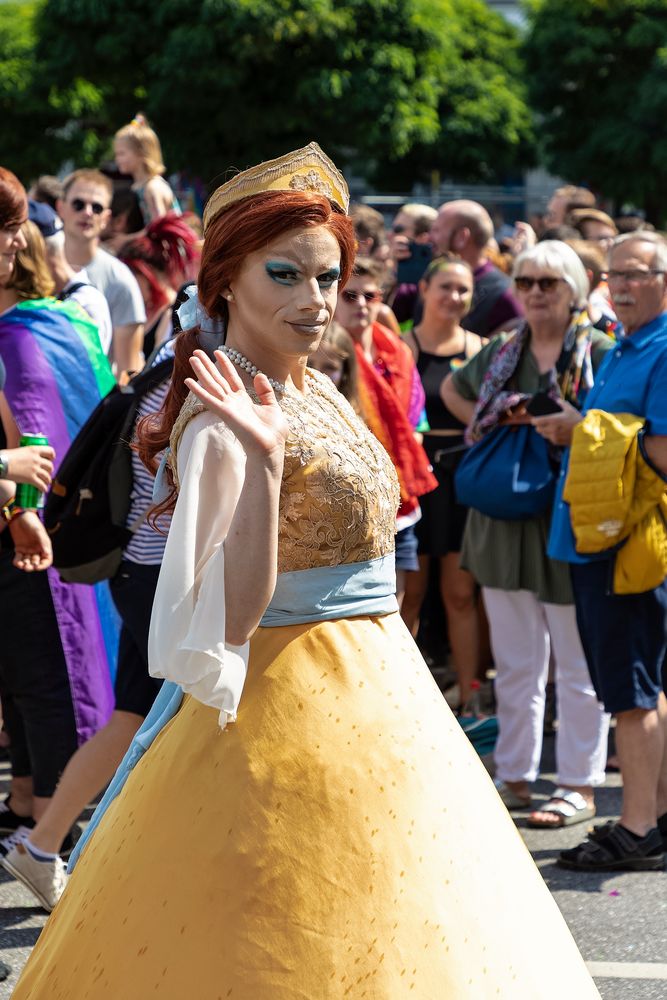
{"x": 187, "y": 632}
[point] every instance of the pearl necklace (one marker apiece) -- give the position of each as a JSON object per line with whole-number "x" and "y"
{"x": 242, "y": 362}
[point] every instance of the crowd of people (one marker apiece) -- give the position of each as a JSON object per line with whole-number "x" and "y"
{"x": 447, "y": 346}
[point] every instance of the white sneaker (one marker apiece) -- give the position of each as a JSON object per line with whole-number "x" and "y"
{"x": 19, "y": 835}
{"x": 45, "y": 879}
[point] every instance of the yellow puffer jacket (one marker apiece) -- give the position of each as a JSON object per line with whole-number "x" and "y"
{"x": 617, "y": 500}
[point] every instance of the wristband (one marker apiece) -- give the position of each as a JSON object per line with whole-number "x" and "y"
{"x": 11, "y": 510}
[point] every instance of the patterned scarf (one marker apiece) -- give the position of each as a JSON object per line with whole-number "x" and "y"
{"x": 570, "y": 379}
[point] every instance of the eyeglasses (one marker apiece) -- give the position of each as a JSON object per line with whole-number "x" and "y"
{"x": 349, "y": 296}
{"x": 546, "y": 284}
{"x": 632, "y": 277}
{"x": 78, "y": 204}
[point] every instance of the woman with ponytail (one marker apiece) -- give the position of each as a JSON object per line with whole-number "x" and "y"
{"x": 331, "y": 833}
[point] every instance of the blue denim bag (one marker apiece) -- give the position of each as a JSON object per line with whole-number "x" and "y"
{"x": 508, "y": 475}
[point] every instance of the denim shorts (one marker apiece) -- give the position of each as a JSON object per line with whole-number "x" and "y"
{"x": 406, "y": 548}
{"x": 624, "y": 637}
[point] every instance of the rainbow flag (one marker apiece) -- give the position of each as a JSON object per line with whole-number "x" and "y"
{"x": 56, "y": 375}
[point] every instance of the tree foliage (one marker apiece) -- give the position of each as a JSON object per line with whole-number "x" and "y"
{"x": 23, "y": 119}
{"x": 598, "y": 78}
{"x": 40, "y": 124}
{"x": 392, "y": 88}
{"x": 485, "y": 125}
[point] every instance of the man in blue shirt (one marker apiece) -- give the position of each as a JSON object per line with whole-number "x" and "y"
{"x": 625, "y": 636}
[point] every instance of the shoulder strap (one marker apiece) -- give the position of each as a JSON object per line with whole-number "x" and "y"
{"x": 149, "y": 377}
{"x": 67, "y": 292}
{"x": 138, "y": 387}
{"x": 120, "y": 465}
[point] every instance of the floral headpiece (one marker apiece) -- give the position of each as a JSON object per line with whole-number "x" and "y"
{"x": 307, "y": 169}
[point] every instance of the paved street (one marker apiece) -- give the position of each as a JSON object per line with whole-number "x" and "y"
{"x": 619, "y": 921}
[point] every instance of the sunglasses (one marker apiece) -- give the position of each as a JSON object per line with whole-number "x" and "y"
{"x": 350, "y": 296}
{"x": 78, "y": 204}
{"x": 524, "y": 284}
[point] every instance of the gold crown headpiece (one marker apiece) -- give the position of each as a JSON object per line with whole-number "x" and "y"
{"x": 307, "y": 169}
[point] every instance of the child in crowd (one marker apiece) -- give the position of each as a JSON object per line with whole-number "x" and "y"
{"x": 137, "y": 152}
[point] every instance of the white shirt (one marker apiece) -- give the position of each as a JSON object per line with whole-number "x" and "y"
{"x": 94, "y": 303}
{"x": 119, "y": 286}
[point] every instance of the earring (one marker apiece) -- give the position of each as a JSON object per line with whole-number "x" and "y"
{"x": 229, "y": 297}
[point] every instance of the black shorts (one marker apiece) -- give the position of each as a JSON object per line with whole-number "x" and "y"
{"x": 133, "y": 590}
{"x": 443, "y": 520}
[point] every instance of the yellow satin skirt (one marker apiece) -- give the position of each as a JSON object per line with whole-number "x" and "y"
{"x": 340, "y": 840}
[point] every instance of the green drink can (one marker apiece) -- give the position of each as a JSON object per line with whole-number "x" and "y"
{"x": 27, "y": 496}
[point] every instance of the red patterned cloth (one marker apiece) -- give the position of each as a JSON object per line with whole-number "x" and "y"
{"x": 386, "y": 392}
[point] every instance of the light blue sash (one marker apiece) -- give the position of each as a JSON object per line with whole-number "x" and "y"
{"x": 308, "y": 595}
{"x": 327, "y": 592}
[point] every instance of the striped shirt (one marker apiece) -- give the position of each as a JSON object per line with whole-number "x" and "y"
{"x": 146, "y": 546}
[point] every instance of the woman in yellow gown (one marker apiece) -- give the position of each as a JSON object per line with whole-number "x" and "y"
{"x": 336, "y": 837}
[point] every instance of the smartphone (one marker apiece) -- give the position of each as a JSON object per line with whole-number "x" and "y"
{"x": 411, "y": 270}
{"x": 542, "y": 405}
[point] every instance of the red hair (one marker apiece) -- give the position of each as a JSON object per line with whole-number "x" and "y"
{"x": 244, "y": 228}
{"x": 13, "y": 200}
{"x": 167, "y": 247}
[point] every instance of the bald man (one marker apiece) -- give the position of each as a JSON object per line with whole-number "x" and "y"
{"x": 465, "y": 228}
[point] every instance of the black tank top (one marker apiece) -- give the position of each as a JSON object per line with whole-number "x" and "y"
{"x": 433, "y": 368}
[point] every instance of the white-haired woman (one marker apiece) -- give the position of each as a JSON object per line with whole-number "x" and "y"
{"x": 528, "y": 597}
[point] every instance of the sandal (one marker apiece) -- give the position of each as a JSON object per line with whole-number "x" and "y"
{"x": 610, "y": 847}
{"x": 568, "y": 806}
{"x": 510, "y": 799}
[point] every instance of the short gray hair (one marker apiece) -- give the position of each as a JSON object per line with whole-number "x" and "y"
{"x": 645, "y": 236}
{"x": 558, "y": 257}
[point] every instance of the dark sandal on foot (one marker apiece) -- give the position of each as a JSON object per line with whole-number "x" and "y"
{"x": 610, "y": 847}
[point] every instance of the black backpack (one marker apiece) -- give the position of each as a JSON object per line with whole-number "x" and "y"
{"x": 87, "y": 506}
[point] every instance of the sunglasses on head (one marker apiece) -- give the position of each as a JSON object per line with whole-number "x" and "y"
{"x": 78, "y": 204}
{"x": 524, "y": 284}
{"x": 350, "y": 296}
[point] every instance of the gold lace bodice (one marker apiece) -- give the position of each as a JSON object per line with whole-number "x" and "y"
{"x": 339, "y": 493}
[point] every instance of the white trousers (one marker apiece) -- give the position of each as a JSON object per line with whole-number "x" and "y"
{"x": 523, "y": 632}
